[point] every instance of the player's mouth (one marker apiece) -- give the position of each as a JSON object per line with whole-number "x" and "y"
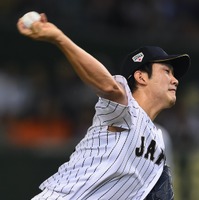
{"x": 173, "y": 90}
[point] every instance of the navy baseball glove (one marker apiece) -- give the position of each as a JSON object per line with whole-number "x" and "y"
{"x": 163, "y": 189}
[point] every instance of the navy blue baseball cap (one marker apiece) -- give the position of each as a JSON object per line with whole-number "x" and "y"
{"x": 153, "y": 54}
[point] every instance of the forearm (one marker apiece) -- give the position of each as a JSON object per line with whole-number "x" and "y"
{"x": 89, "y": 69}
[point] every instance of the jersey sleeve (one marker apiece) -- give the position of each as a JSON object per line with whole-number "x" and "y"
{"x": 110, "y": 113}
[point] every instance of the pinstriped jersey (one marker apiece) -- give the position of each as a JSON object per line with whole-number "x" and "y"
{"x": 113, "y": 165}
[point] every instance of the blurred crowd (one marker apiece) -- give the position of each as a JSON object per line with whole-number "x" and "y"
{"x": 172, "y": 16}
{"x": 42, "y": 105}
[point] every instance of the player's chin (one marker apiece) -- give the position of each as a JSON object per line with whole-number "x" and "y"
{"x": 171, "y": 102}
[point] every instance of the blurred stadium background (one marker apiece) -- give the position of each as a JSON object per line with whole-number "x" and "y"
{"x": 44, "y": 107}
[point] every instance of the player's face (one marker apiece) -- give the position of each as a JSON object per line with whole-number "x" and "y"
{"x": 163, "y": 84}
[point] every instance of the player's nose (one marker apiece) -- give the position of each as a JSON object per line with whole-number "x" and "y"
{"x": 174, "y": 81}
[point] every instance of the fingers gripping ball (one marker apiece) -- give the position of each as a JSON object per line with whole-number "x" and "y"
{"x": 29, "y": 18}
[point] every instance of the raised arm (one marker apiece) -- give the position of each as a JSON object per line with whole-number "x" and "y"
{"x": 90, "y": 70}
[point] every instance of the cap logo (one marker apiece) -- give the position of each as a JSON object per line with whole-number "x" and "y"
{"x": 138, "y": 57}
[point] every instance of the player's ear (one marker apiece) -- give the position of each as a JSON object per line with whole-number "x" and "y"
{"x": 140, "y": 77}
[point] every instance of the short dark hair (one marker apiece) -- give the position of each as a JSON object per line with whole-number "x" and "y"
{"x": 131, "y": 80}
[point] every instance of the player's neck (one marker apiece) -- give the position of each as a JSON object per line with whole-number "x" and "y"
{"x": 149, "y": 105}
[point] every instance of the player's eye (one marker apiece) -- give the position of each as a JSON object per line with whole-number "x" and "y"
{"x": 167, "y": 71}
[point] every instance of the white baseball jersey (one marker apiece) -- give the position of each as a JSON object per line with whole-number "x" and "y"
{"x": 112, "y": 165}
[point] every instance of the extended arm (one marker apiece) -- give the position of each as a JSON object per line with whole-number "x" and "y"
{"x": 90, "y": 70}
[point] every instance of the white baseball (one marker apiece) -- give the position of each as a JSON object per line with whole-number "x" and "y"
{"x": 29, "y": 18}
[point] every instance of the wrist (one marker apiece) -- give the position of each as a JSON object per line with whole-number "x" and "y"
{"x": 60, "y": 39}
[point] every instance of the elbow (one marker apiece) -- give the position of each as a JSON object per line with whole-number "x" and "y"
{"x": 112, "y": 89}
{"x": 113, "y": 92}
